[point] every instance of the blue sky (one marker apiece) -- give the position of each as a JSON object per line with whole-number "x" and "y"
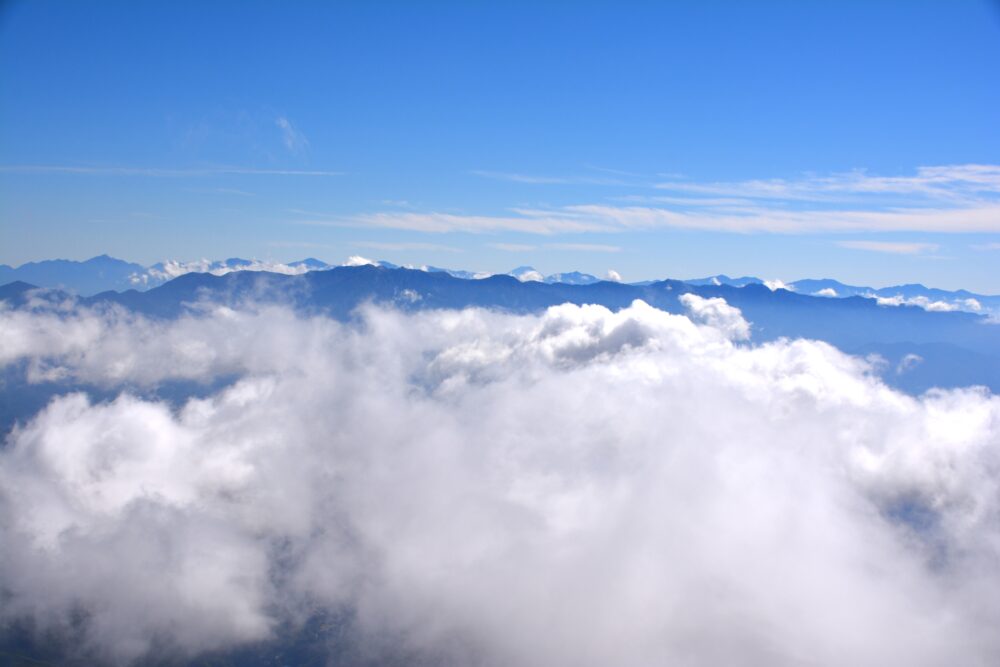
{"x": 851, "y": 140}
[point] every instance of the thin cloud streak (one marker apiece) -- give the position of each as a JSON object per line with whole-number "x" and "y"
{"x": 947, "y": 183}
{"x": 944, "y": 199}
{"x": 606, "y": 218}
{"x": 293, "y": 139}
{"x": 531, "y": 179}
{"x": 512, "y": 247}
{"x": 585, "y": 247}
{"x": 890, "y": 247}
{"x": 221, "y": 191}
{"x": 159, "y": 172}
{"x": 554, "y": 223}
{"x": 302, "y": 244}
{"x": 430, "y": 247}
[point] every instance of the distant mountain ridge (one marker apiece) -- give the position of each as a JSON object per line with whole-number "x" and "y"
{"x": 94, "y": 275}
{"x": 104, "y": 273}
{"x": 928, "y": 298}
{"x": 916, "y": 348}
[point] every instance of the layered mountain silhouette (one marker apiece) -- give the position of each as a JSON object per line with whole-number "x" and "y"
{"x": 916, "y": 348}
{"x": 105, "y": 273}
{"x": 90, "y": 277}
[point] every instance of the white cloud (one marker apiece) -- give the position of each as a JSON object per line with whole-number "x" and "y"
{"x": 605, "y": 218}
{"x": 578, "y": 487}
{"x": 969, "y": 305}
{"x": 919, "y": 301}
{"x": 534, "y": 179}
{"x": 972, "y": 305}
{"x": 890, "y": 247}
{"x": 520, "y": 178}
{"x": 530, "y": 276}
{"x": 406, "y": 246}
{"x": 908, "y": 363}
{"x": 776, "y": 284}
{"x": 947, "y": 183}
{"x": 291, "y": 137}
{"x": 613, "y": 276}
{"x": 170, "y": 269}
{"x": 159, "y": 172}
{"x": 980, "y": 218}
{"x": 827, "y": 292}
{"x": 585, "y": 247}
{"x": 553, "y": 222}
{"x": 513, "y": 247}
{"x": 358, "y": 260}
{"x": 716, "y": 313}
{"x": 946, "y": 199}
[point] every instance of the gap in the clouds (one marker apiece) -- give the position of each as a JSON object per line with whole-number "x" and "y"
{"x": 22, "y": 397}
{"x": 917, "y": 515}
{"x": 24, "y": 642}
{"x": 320, "y": 636}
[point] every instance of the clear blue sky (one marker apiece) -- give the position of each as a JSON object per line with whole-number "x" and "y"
{"x": 786, "y": 139}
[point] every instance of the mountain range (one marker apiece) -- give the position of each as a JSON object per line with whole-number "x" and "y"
{"x": 104, "y": 273}
{"x": 913, "y": 348}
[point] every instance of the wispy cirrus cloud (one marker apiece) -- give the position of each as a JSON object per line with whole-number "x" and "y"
{"x": 535, "y": 179}
{"x": 584, "y": 247}
{"x": 513, "y": 247}
{"x": 946, "y": 199}
{"x": 890, "y": 247}
{"x": 430, "y": 247}
{"x": 291, "y": 136}
{"x": 521, "y": 178}
{"x": 221, "y": 191}
{"x": 158, "y": 172}
{"x": 609, "y": 218}
{"x": 941, "y": 183}
{"x": 555, "y": 221}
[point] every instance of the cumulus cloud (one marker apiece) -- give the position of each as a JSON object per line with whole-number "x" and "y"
{"x": 577, "y": 487}
{"x": 170, "y": 269}
{"x": 924, "y": 302}
{"x": 776, "y": 284}
{"x": 941, "y": 305}
{"x": 718, "y": 314}
{"x": 358, "y": 260}
{"x": 530, "y": 275}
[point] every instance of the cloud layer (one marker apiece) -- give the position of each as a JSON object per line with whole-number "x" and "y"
{"x": 942, "y": 199}
{"x": 580, "y": 487}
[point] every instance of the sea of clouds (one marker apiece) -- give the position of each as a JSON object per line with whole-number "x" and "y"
{"x": 578, "y": 487}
